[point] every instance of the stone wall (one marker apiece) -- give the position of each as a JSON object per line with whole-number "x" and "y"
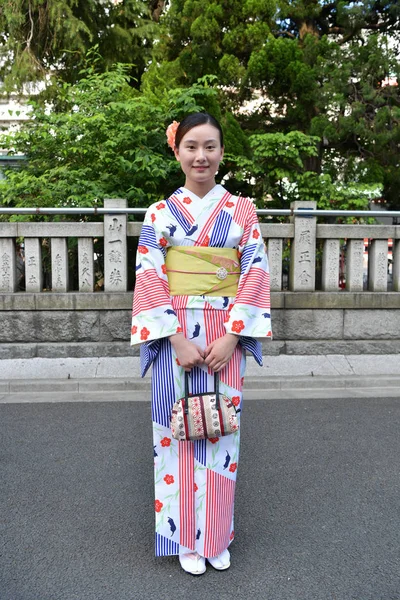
{"x": 362, "y": 318}
{"x": 98, "y": 324}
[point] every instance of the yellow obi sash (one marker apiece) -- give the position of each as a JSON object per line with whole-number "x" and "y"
{"x": 202, "y": 271}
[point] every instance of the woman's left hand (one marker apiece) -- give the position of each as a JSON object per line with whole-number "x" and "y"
{"x": 219, "y": 352}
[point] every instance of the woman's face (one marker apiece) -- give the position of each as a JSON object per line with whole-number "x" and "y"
{"x": 200, "y": 153}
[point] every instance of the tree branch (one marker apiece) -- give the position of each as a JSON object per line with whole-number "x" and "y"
{"x": 30, "y": 36}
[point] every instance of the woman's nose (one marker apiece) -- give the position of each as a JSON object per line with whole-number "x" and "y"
{"x": 200, "y": 154}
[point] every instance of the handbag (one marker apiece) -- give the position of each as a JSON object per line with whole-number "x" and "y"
{"x": 203, "y": 416}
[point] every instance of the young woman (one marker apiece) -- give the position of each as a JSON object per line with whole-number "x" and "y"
{"x": 201, "y": 299}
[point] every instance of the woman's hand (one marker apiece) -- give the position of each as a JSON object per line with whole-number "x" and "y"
{"x": 188, "y": 354}
{"x": 219, "y": 352}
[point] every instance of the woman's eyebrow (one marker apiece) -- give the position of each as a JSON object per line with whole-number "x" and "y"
{"x": 196, "y": 141}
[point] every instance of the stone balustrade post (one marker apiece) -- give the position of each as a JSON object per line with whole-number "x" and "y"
{"x": 330, "y": 265}
{"x": 115, "y": 247}
{"x": 33, "y": 265}
{"x": 354, "y": 265}
{"x": 274, "y": 250}
{"x": 59, "y": 264}
{"x": 86, "y": 264}
{"x": 302, "y": 252}
{"x": 8, "y": 269}
{"x": 396, "y": 265}
{"x": 378, "y": 266}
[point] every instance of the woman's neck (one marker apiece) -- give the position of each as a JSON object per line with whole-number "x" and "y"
{"x": 199, "y": 189}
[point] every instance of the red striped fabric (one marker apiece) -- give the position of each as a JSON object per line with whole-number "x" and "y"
{"x": 241, "y": 213}
{"x": 231, "y": 373}
{"x": 219, "y": 512}
{"x": 150, "y": 292}
{"x": 187, "y": 514}
{"x": 214, "y": 327}
{"x": 182, "y": 208}
{"x": 211, "y": 219}
{"x": 251, "y": 287}
{"x": 182, "y": 318}
{"x": 179, "y": 302}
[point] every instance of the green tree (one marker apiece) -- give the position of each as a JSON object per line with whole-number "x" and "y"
{"x": 314, "y": 66}
{"x": 41, "y": 39}
{"x": 101, "y": 139}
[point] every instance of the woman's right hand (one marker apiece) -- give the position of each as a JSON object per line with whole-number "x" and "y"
{"x": 189, "y": 355}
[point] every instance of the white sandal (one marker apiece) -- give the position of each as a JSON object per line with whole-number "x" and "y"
{"x": 222, "y": 561}
{"x": 193, "y": 563}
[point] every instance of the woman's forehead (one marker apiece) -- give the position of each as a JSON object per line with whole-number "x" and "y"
{"x": 204, "y": 132}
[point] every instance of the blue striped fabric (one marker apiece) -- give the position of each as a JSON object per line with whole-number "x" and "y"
{"x": 162, "y": 385}
{"x": 148, "y": 352}
{"x": 148, "y": 237}
{"x": 178, "y": 191}
{"x": 220, "y": 230}
{"x": 253, "y": 346}
{"x": 165, "y": 547}
{"x": 247, "y": 257}
{"x": 183, "y": 222}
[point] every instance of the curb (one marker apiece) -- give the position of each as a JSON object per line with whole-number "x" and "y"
{"x": 255, "y": 385}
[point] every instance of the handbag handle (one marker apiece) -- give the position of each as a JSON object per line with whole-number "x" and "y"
{"x": 216, "y": 388}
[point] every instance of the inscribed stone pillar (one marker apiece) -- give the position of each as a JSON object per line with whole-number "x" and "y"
{"x": 378, "y": 266}
{"x": 354, "y": 265}
{"x": 33, "y": 265}
{"x": 85, "y": 264}
{"x": 302, "y": 255}
{"x": 275, "y": 263}
{"x": 8, "y": 273}
{"x": 59, "y": 264}
{"x": 396, "y": 265}
{"x": 115, "y": 247}
{"x": 330, "y": 265}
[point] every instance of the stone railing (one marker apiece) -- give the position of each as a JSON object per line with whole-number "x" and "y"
{"x": 311, "y": 310}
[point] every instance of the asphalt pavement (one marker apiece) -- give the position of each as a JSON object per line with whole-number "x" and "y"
{"x": 317, "y": 505}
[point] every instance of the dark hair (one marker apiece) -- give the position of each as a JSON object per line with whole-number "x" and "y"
{"x": 193, "y": 120}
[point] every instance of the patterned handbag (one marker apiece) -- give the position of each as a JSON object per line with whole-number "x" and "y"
{"x": 203, "y": 416}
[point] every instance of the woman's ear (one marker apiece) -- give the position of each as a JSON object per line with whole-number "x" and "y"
{"x": 176, "y": 152}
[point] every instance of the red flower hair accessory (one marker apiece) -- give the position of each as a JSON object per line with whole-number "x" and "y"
{"x": 171, "y": 134}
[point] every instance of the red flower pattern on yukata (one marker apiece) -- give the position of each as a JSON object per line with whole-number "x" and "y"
{"x": 177, "y": 362}
{"x": 213, "y": 440}
{"x": 187, "y": 200}
{"x": 206, "y": 241}
{"x": 134, "y": 329}
{"x": 153, "y": 217}
{"x": 165, "y": 442}
{"x": 160, "y": 206}
{"x": 232, "y": 536}
{"x": 142, "y": 249}
{"x": 237, "y": 326}
{"x": 256, "y": 234}
{"x": 158, "y": 505}
{"x": 164, "y": 269}
{"x": 229, "y": 204}
{"x": 196, "y": 487}
{"x": 179, "y": 330}
{"x": 233, "y": 467}
{"x": 163, "y": 242}
{"x": 144, "y": 333}
{"x": 169, "y": 479}
{"x": 235, "y": 400}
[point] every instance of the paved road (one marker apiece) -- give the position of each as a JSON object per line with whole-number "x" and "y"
{"x": 317, "y": 511}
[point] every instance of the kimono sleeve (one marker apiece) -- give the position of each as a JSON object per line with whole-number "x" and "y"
{"x": 250, "y": 314}
{"x": 153, "y": 317}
